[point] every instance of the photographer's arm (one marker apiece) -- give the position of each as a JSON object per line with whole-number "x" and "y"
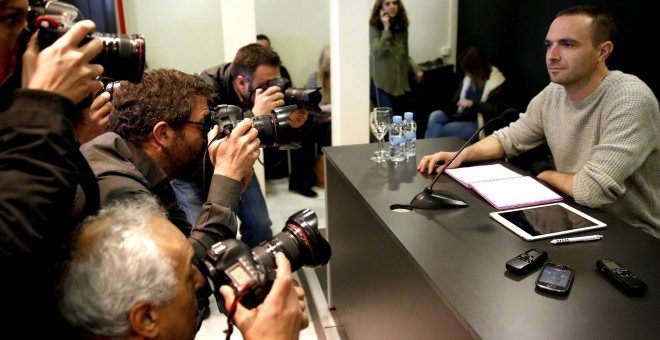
{"x": 280, "y": 316}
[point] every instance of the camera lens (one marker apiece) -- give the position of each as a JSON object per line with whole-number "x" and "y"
{"x": 267, "y": 129}
{"x": 300, "y": 240}
{"x": 123, "y": 56}
{"x": 303, "y": 98}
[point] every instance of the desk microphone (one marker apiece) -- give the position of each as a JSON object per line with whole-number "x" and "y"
{"x": 436, "y": 199}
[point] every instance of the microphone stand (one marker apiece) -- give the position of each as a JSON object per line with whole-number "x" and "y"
{"x": 439, "y": 199}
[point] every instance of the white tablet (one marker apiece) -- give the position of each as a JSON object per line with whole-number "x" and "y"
{"x": 544, "y": 221}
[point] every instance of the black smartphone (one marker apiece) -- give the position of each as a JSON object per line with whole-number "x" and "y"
{"x": 555, "y": 278}
{"x": 526, "y": 261}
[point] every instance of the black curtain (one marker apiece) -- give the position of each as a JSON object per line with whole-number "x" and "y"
{"x": 102, "y": 12}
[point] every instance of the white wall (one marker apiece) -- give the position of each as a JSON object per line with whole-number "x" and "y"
{"x": 191, "y": 36}
{"x": 186, "y": 35}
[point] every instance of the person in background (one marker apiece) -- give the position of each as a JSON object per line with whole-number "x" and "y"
{"x": 322, "y": 134}
{"x": 154, "y": 297}
{"x": 390, "y": 61}
{"x": 481, "y": 91}
{"x": 602, "y": 126}
{"x": 41, "y": 92}
{"x": 155, "y": 136}
{"x": 301, "y": 175}
{"x": 247, "y": 82}
{"x": 263, "y": 40}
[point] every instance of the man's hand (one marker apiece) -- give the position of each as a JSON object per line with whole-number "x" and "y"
{"x": 297, "y": 118}
{"x": 280, "y": 316}
{"x": 63, "y": 67}
{"x": 265, "y": 101}
{"x": 234, "y": 155}
{"x": 95, "y": 120}
{"x": 428, "y": 162}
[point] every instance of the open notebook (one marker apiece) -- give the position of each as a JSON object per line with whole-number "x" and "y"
{"x": 504, "y": 188}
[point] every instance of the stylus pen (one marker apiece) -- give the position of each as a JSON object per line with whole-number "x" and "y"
{"x": 577, "y": 239}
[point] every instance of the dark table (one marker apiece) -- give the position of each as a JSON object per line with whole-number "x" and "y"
{"x": 441, "y": 274}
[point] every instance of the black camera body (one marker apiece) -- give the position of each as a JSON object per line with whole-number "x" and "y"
{"x": 122, "y": 57}
{"x": 274, "y": 129}
{"x": 231, "y": 262}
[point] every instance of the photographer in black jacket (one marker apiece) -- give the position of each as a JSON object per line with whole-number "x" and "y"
{"x": 40, "y": 166}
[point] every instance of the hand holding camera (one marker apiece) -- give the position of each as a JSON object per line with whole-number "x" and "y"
{"x": 281, "y": 315}
{"x": 251, "y": 272}
{"x": 267, "y": 100}
{"x": 64, "y": 67}
{"x": 234, "y": 155}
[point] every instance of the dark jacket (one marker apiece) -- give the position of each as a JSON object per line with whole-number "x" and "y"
{"x": 119, "y": 165}
{"x": 39, "y": 173}
{"x": 122, "y": 167}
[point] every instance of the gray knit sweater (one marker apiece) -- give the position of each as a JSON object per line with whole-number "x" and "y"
{"x": 610, "y": 140}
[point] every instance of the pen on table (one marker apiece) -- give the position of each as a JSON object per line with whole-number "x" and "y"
{"x": 577, "y": 239}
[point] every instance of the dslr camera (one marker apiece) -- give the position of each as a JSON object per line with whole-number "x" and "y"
{"x": 274, "y": 129}
{"x": 303, "y": 98}
{"x": 123, "y": 56}
{"x": 251, "y": 272}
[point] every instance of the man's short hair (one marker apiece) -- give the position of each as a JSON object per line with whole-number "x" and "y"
{"x": 162, "y": 95}
{"x": 603, "y": 27}
{"x": 249, "y": 57}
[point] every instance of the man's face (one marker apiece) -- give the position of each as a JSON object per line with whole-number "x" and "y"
{"x": 187, "y": 150}
{"x": 13, "y": 15}
{"x": 177, "y": 318}
{"x": 570, "y": 56}
{"x": 262, "y": 75}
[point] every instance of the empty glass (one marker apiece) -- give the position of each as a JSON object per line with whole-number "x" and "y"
{"x": 379, "y": 121}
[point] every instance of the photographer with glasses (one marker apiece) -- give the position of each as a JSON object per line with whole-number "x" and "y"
{"x": 155, "y": 136}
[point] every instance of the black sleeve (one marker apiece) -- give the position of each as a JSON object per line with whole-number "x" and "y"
{"x": 38, "y": 172}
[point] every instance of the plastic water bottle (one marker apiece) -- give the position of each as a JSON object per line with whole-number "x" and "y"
{"x": 410, "y": 134}
{"x": 397, "y": 140}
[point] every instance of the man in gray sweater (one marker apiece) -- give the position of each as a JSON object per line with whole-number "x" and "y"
{"x": 602, "y": 126}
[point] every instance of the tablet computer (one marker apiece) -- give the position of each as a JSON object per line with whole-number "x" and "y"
{"x": 544, "y": 221}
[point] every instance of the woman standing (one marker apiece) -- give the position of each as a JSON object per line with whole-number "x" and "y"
{"x": 390, "y": 63}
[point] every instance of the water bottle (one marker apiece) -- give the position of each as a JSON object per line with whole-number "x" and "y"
{"x": 397, "y": 140}
{"x": 410, "y": 134}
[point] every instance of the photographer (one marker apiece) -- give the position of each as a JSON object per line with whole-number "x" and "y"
{"x": 155, "y": 137}
{"x": 40, "y": 96}
{"x": 243, "y": 83}
{"x": 155, "y": 296}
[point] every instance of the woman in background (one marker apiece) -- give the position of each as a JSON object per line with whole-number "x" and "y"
{"x": 390, "y": 62}
{"x": 481, "y": 91}
{"x": 321, "y": 79}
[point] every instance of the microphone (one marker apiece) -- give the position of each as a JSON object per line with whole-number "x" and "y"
{"x": 436, "y": 199}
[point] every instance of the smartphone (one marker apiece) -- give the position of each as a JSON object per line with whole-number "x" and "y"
{"x": 555, "y": 278}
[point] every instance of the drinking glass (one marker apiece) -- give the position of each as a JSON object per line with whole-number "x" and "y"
{"x": 379, "y": 121}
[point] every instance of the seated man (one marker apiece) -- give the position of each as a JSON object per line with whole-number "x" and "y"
{"x": 129, "y": 276}
{"x": 602, "y": 126}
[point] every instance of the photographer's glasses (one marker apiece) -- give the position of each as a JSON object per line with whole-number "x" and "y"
{"x": 206, "y": 126}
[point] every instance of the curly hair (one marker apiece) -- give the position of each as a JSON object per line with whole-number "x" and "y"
{"x": 162, "y": 95}
{"x": 399, "y": 23}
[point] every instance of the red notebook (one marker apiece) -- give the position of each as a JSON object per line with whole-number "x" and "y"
{"x": 504, "y": 188}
